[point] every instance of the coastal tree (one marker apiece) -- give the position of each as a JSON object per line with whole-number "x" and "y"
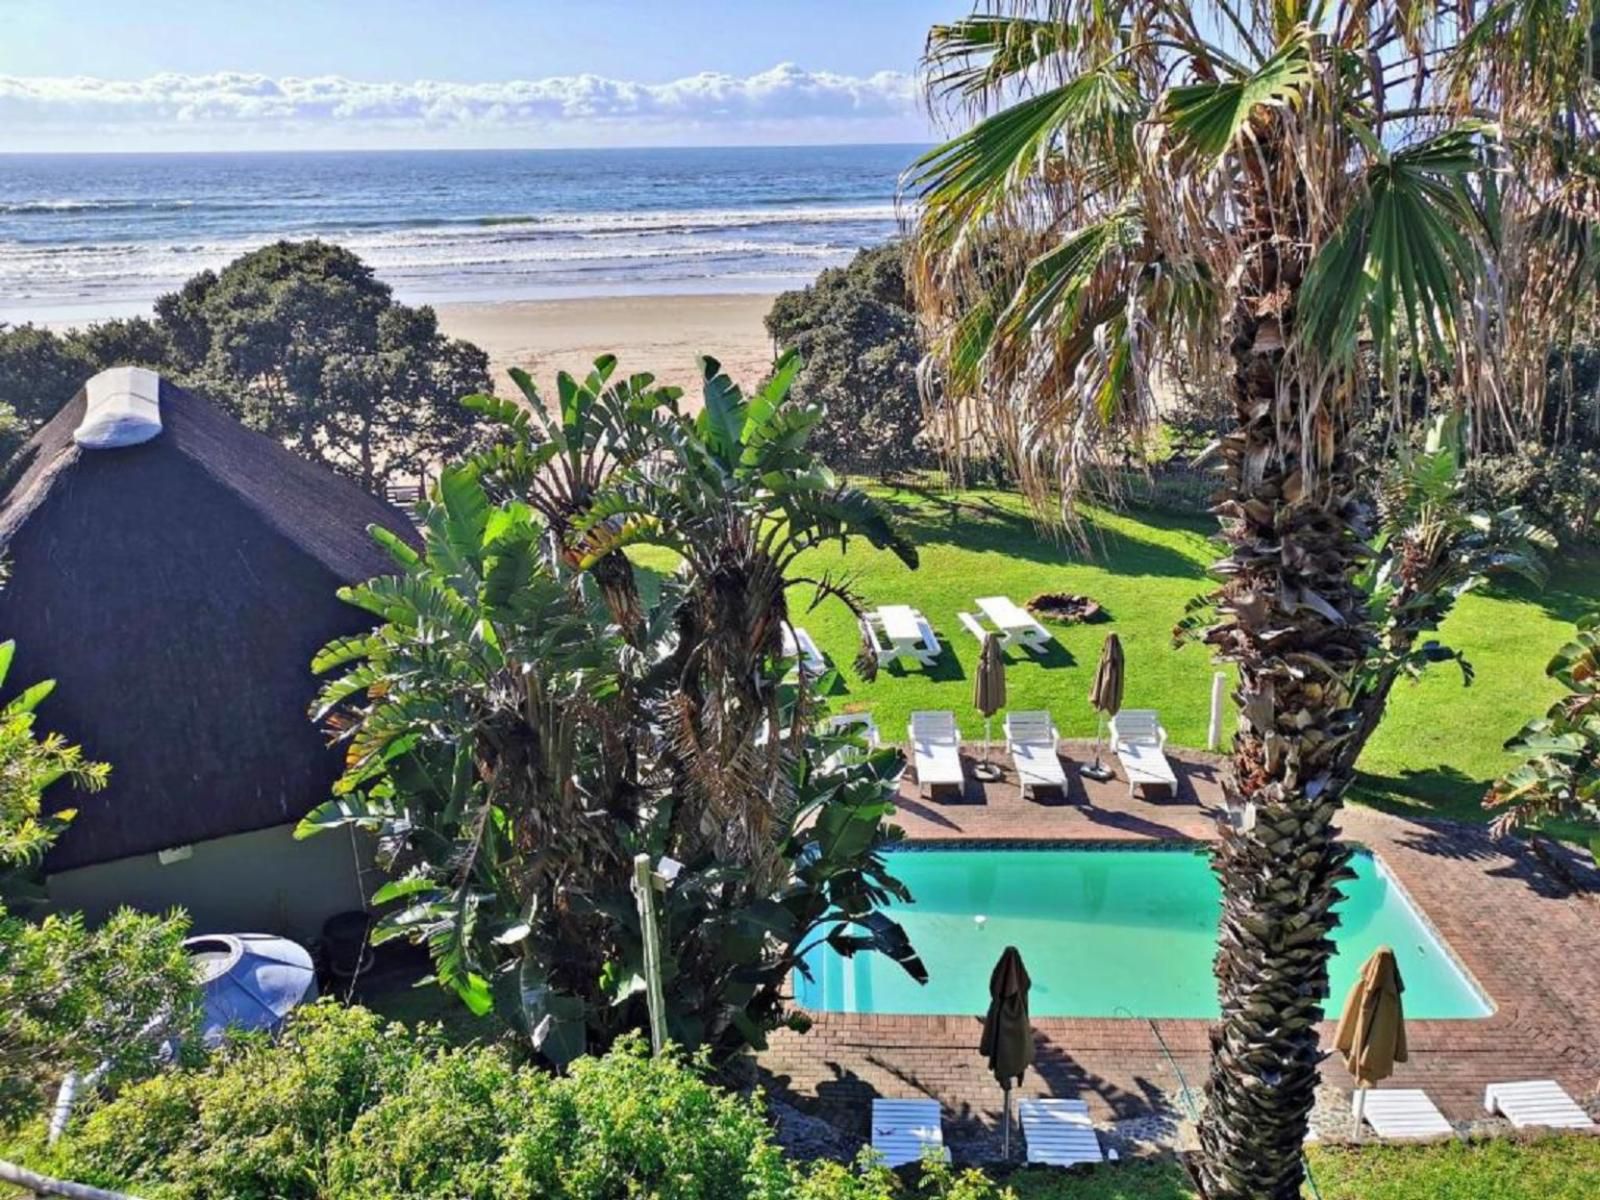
{"x": 302, "y": 341}
{"x": 1257, "y": 191}
{"x": 41, "y": 369}
{"x": 529, "y": 715}
{"x": 856, "y": 332}
{"x": 39, "y": 372}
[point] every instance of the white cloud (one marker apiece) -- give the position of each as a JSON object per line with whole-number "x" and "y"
{"x": 171, "y": 107}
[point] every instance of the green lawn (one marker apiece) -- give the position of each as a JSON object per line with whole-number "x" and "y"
{"x": 1438, "y": 747}
{"x": 1553, "y": 1168}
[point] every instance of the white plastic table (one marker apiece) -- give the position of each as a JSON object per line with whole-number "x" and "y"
{"x": 903, "y": 626}
{"x": 1016, "y": 624}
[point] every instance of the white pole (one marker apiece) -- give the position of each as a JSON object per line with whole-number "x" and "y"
{"x": 654, "y": 994}
{"x": 1219, "y": 686}
{"x": 1357, "y": 1109}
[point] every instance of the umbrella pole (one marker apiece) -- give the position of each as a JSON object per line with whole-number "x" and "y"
{"x": 1005, "y": 1116}
{"x": 1096, "y": 771}
{"x": 986, "y": 770}
{"x": 1357, "y": 1109}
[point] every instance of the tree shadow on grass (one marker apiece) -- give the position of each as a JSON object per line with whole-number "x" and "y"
{"x": 945, "y": 669}
{"x": 1432, "y": 792}
{"x": 1572, "y": 590}
{"x": 980, "y": 525}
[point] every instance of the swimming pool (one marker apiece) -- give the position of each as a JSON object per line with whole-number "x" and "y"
{"x": 1106, "y": 932}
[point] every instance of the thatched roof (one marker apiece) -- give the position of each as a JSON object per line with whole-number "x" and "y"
{"x": 176, "y": 591}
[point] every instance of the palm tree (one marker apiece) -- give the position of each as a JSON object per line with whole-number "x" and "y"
{"x": 1266, "y": 197}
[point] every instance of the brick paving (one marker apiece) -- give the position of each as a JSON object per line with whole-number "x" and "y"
{"x": 1527, "y": 939}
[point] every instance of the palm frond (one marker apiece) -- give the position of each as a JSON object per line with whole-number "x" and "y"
{"x": 1400, "y": 260}
{"x": 968, "y": 59}
{"x": 1207, "y": 118}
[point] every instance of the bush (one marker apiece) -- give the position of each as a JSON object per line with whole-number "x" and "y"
{"x": 39, "y": 372}
{"x": 443, "y": 1134}
{"x": 347, "y": 1108}
{"x": 1557, "y": 488}
{"x": 868, "y": 1179}
{"x": 257, "y": 1122}
{"x": 628, "y": 1124}
{"x": 856, "y": 333}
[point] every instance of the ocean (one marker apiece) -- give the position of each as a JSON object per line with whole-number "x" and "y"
{"x": 90, "y": 236}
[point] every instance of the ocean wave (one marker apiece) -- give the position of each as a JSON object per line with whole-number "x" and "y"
{"x": 615, "y": 221}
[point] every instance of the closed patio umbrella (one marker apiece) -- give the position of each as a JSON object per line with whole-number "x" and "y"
{"x": 1007, "y": 1040}
{"x": 1371, "y": 1036}
{"x": 1105, "y": 697}
{"x": 989, "y": 694}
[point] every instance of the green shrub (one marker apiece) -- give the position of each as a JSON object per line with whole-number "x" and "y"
{"x": 627, "y": 1124}
{"x": 257, "y": 1121}
{"x": 868, "y": 1179}
{"x": 443, "y": 1134}
{"x": 344, "y": 1107}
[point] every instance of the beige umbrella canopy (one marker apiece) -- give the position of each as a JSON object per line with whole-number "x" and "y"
{"x": 1105, "y": 696}
{"x": 1371, "y": 1036}
{"x": 989, "y": 691}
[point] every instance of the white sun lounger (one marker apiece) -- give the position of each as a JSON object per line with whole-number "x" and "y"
{"x": 1138, "y": 738}
{"x": 1031, "y": 739}
{"x": 905, "y": 1130}
{"x": 1399, "y": 1114}
{"x": 935, "y": 749}
{"x": 1536, "y": 1103}
{"x": 1059, "y": 1132}
{"x": 860, "y": 724}
{"x": 799, "y": 644}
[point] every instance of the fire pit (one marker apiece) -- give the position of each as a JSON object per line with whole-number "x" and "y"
{"x": 1065, "y": 607}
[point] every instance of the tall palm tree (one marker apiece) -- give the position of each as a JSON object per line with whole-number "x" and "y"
{"x": 1280, "y": 199}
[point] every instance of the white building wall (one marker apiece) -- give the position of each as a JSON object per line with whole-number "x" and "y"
{"x": 259, "y": 882}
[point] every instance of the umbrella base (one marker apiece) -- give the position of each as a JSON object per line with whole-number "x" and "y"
{"x": 1099, "y": 772}
{"x": 988, "y": 772}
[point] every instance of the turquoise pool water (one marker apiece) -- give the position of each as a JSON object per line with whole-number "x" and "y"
{"x": 1105, "y": 933}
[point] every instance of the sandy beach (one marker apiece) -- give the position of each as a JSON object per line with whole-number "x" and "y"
{"x": 660, "y": 334}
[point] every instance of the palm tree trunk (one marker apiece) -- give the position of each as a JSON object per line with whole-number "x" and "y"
{"x": 1295, "y": 625}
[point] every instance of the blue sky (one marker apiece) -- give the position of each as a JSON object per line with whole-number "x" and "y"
{"x": 206, "y": 74}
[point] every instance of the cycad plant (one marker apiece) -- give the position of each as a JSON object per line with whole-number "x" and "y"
{"x": 1265, "y": 196}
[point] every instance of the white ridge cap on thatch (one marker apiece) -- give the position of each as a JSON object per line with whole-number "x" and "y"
{"x": 122, "y": 408}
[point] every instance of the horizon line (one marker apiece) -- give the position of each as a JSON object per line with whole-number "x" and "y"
{"x": 65, "y": 153}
